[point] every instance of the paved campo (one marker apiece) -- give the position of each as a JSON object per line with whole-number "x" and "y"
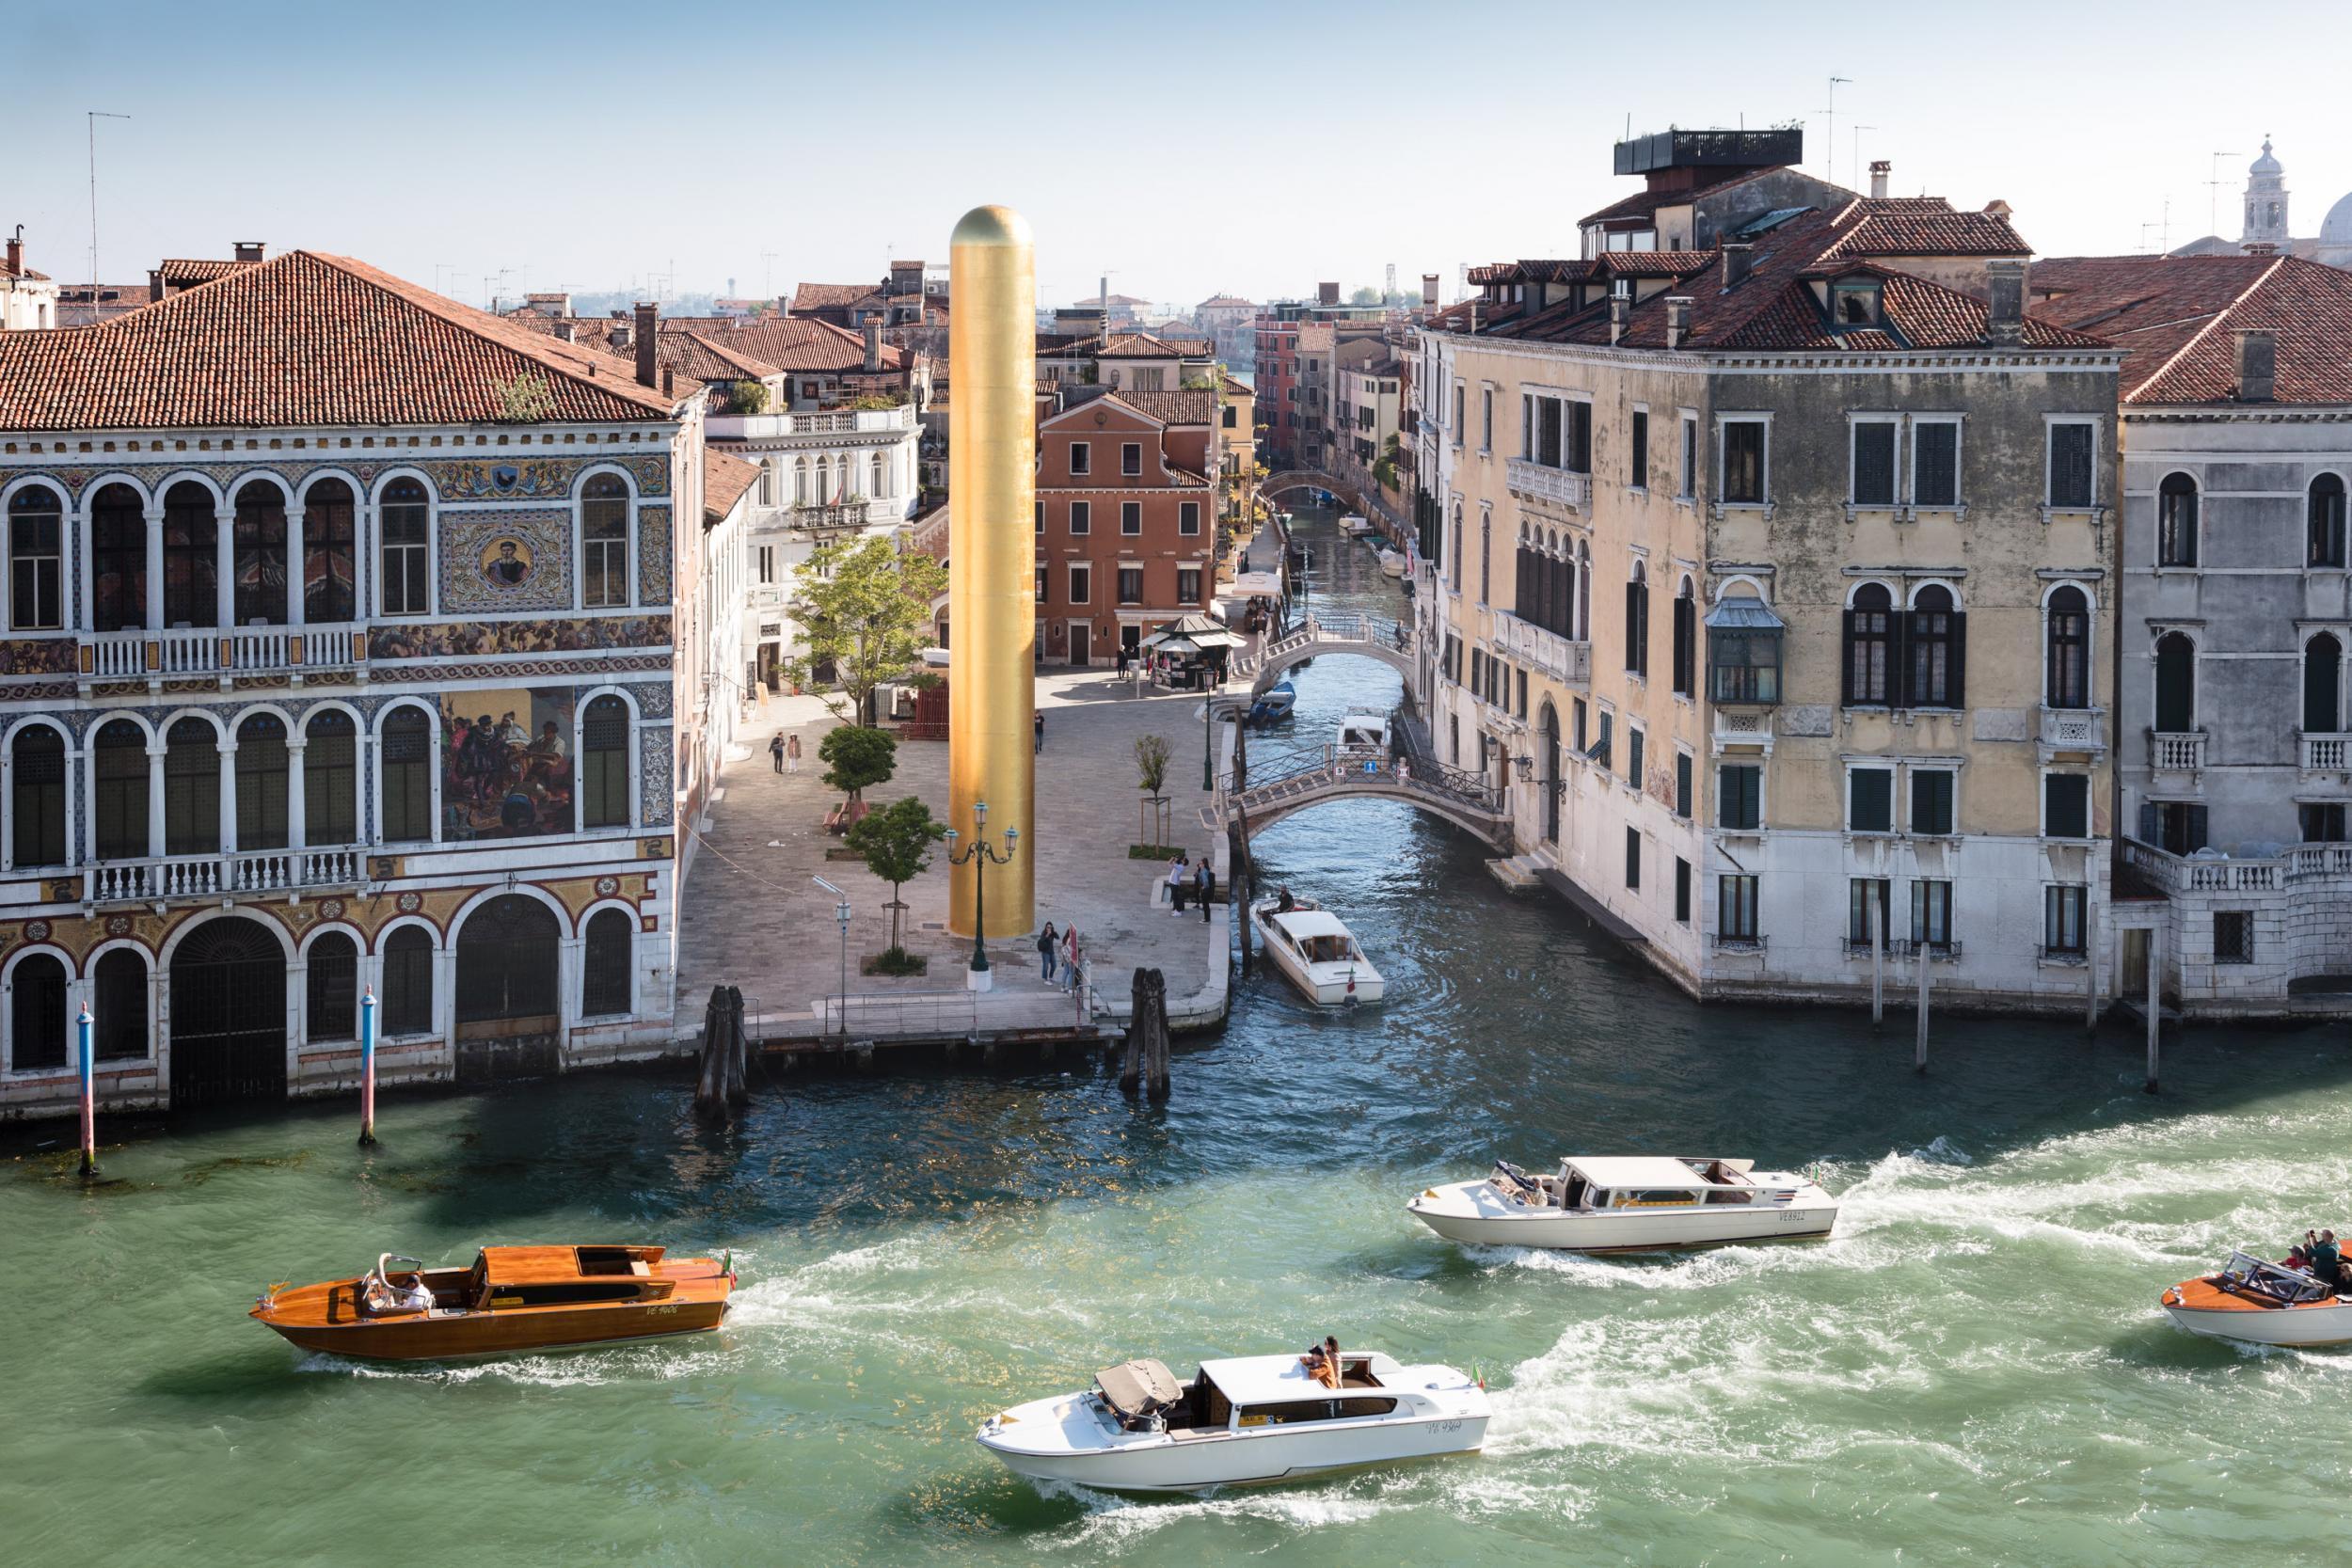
{"x": 751, "y": 917}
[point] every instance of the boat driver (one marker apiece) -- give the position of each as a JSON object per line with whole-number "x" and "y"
{"x": 2324, "y": 1256}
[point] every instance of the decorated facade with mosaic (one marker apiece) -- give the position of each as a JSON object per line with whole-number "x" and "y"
{"x": 325, "y": 676}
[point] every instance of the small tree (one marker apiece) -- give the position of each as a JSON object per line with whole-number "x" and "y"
{"x": 1150, "y": 774}
{"x": 858, "y": 758}
{"x": 1365, "y": 295}
{"x": 1384, "y": 467}
{"x": 894, "y": 843}
{"x": 747, "y": 397}
{"x": 526, "y": 399}
{"x": 866, "y": 608}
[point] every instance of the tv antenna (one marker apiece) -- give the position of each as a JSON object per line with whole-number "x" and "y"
{"x": 94, "y": 117}
{"x": 1829, "y": 137}
{"x": 2212, "y": 193}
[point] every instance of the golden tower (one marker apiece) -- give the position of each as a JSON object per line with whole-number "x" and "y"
{"x": 991, "y": 555}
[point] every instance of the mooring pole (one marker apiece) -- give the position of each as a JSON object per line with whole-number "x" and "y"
{"x": 367, "y": 1068}
{"x": 2155, "y": 1015}
{"x": 1876, "y": 919}
{"x": 1919, "y": 1046}
{"x": 90, "y": 1094}
{"x": 2091, "y": 988}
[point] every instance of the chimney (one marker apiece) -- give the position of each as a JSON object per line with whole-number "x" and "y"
{"x": 646, "y": 340}
{"x": 1999, "y": 209}
{"x": 2257, "y": 365}
{"x": 1429, "y": 289}
{"x": 1677, "y": 318}
{"x": 873, "y": 344}
{"x": 1620, "y": 311}
{"x": 249, "y": 250}
{"x": 16, "y": 251}
{"x": 669, "y": 382}
{"x": 1880, "y": 169}
{"x": 619, "y": 334}
{"x": 1327, "y": 293}
{"x": 155, "y": 285}
{"x": 906, "y": 277}
{"x": 2005, "y": 301}
{"x": 563, "y": 332}
{"x": 1737, "y": 259}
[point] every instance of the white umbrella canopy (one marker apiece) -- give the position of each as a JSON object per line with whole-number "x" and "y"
{"x": 1196, "y": 633}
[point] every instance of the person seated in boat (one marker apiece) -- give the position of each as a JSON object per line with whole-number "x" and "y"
{"x": 1284, "y": 904}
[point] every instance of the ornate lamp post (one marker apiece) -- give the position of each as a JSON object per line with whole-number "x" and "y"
{"x": 985, "y": 853}
{"x": 841, "y": 914}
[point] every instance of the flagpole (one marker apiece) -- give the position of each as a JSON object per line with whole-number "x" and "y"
{"x": 89, "y": 1094}
{"x": 367, "y": 1068}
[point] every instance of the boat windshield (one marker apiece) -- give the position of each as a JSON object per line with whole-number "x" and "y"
{"x": 2247, "y": 1273}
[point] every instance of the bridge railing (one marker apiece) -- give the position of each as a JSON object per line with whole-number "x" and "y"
{"x": 1337, "y": 771}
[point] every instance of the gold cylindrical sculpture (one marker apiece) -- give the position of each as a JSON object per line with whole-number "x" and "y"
{"x": 992, "y": 554}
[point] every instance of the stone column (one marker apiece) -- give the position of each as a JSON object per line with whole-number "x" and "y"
{"x": 294, "y": 564}
{"x": 297, "y": 810}
{"x": 224, "y": 567}
{"x": 228, "y": 750}
{"x": 154, "y": 799}
{"x": 155, "y": 570}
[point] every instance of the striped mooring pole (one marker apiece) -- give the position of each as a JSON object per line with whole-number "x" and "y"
{"x": 90, "y": 1094}
{"x": 367, "y": 1068}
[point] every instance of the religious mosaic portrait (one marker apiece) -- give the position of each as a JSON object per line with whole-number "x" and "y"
{"x": 506, "y": 763}
{"x": 506, "y": 561}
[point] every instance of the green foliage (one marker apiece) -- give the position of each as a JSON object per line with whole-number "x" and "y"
{"x": 896, "y": 960}
{"x": 526, "y": 399}
{"x": 865, "y": 608}
{"x": 1365, "y": 295}
{"x": 875, "y": 402}
{"x": 859, "y": 759}
{"x": 1151, "y": 762}
{"x": 1154, "y": 851}
{"x": 894, "y": 843}
{"x": 747, "y": 397}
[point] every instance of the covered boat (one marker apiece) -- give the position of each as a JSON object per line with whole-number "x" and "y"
{"x": 513, "y": 1299}
{"x": 1238, "y": 1422}
{"x": 1274, "y": 702}
{"x": 1392, "y": 563}
{"x": 2262, "y": 1304}
{"x": 1628, "y": 1203}
{"x": 1354, "y": 523}
{"x": 1318, "y": 953}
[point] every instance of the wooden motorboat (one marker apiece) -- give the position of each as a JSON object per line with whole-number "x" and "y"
{"x": 1243, "y": 1421}
{"x": 511, "y": 1299}
{"x": 2261, "y": 1304}
{"x": 1317, "y": 953}
{"x": 1628, "y": 1203}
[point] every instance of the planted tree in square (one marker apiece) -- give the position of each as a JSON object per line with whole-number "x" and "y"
{"x": 894, "y": 843}
{"x": 865, "y": 608}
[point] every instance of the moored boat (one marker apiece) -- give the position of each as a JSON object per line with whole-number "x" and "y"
{"x": 2260, "y": 1302}
{"x": 1354, "y": 523}
{"x": 1275, "y": 703}
{"x": 1392, "y": 563}
{"x": 1628, "y": 1203}
{"x": 1317, "y": 954}
{"x": 1242, "y": 1421}
{"x": 511, "y": 1299}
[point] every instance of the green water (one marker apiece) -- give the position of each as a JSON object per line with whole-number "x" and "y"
{"x": 1972, "y": 1371}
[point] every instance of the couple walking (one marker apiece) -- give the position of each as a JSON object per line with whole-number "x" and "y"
{"x": 1183, "y": 875}
{"x": 784, "y": 751}
{"x": 1059, "y": 955}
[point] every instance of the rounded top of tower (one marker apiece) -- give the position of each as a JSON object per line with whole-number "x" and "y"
{"x": 993, "y": 225}
{"x": 2265, "y": 164}
{"x": 2337, "y": 228}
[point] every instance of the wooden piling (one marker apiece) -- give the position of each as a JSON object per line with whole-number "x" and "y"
{"x": 1146, "y": 1065}
{"x": 722, "y": 1087}
{"x": 2156, "y": 1005}
{"x": 2091, "y": 986}
{"x": 1919, "y": 1048}
{"x": 1876, "y": 919}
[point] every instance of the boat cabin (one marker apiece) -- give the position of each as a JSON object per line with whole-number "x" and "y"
{"x": 1639, "y": 1181}
{"x": 1241, "y": 1394}
{"x": 1316, "y": 936}
{"x": 1364, "y": 733}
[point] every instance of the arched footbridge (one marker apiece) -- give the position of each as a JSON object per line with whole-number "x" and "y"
{"x": 1468, "y": 800}
{"x": 1390, "y": 641}
{"x": 1285, "y": 480}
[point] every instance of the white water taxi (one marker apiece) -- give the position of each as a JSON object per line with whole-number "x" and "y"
{"x": 1628, "y": 1203}
{"x": 1354, "y": 523}
{"x": 2262, "y": 1304}
{"x": 1392, "y": 563}
{"x": 1364, "y": 735}
{"x": 1239, "y": 1422}
{"x": 1317, "y": 953}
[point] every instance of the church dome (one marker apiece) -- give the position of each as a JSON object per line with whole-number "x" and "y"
{"x": 2266, "y": 163}
{"x": 2337, "y": 228}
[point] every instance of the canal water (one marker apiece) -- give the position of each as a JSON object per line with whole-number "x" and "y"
{"x": 1972, "y": 1371}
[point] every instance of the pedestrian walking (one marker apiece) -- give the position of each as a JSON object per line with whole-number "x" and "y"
{"x": 1123, "y": 657}
{"x": 1070, "y": 953}
{"x": 1179, "y": 873}
{"x": 776, "y": 751}
{"x": 1037, "y": 728}
{"x": 792, "y": 754}
{"x": 1208, "y": 886}
{"x": 1047, "y": 941}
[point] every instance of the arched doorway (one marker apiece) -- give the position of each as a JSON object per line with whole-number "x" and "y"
{"x": 509, "y": 1011}
{"x": 1549, "y": 729}
{"x": 227, "y": 1015}
{"x": 2176, "y": 683}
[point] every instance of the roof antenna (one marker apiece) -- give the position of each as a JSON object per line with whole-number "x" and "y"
{"x": 2212, "y": 193}
{"x": 94, "y": 117}
{"x": 1829, "y": 140}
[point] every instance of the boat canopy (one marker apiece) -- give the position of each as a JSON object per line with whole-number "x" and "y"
{"x": 1138, "y": 1388}
{"x": 1303, "y": 922}
{"x": 2272, "y": 1280}
{"x": 1637, "y": 1170}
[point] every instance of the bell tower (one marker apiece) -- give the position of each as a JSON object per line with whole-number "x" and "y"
{"x": 2265, "y": 202}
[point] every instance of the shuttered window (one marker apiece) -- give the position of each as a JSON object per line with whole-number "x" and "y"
{"x": 1874, "y": 463}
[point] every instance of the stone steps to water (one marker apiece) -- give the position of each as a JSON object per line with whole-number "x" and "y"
{"x": 1516, "y": 873}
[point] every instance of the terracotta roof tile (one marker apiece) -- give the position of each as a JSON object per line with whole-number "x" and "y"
{"x": 304, "y": 338}
{"x": 1178, "y": 407}
{"x": 725, "y": 477}
{"x": 2180, "y": 315}
{"x": 1921, "y": 225}
{"x": 1142, "y": 345}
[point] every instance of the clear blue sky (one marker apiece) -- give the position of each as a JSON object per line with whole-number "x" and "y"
{"x": 1188, "y": 148}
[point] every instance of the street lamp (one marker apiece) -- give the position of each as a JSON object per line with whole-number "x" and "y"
{"x": 841, "y": 915}
{"x": 985, "y": 853}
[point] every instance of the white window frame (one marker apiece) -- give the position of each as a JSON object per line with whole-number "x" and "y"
{"x": 1855, "y": 421}
{"x": 1723, "y": 453}
{"x": 1895, "y": 818}
{"x": 1082, "y": 458}
{"x": 2098, "y": 471}
{"x": 2041, "y": 802}
{"x": 1687, "y": 474}
{"x": 1131, "y": 510}
{"x": 1081, "y": 572}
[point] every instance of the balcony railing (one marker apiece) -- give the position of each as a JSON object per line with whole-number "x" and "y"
{"x": 1744, "y": 726}
{"x": 2181, "y": 751}
{"x": 212, "y": 650}
{"x": 2327, "y": 754}
{"x": 1538, "y": 482}
{"x": 1525, "y": 643}
{"x": 2217, "y": 873}
{"x": 2074, "y": 729}
{"x": 218, "y": 875}
{"x": 833, "y": 421}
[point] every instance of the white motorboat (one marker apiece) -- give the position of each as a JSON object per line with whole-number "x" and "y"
{"x": 1392, "y": 563}
{"x": 1354, "y": 523}
{"x": 2261, "y": 1304}
{"x": 1244, "y": 1422}
{"x": 1628, "y": 1203}
{"x": 1317, "y": 953}
{"x": 1364, "y": 735}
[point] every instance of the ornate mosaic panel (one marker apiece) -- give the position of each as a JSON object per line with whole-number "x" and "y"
{"x": 497, "y": 560}
{"x": 480, "y": 639}
{"x": 486, "y": 478}
{"x": 653, "y": 555}
{"x": 654, "y": 792}
{"x": 653, "y": 699}
{"x": 39, "y": 656}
